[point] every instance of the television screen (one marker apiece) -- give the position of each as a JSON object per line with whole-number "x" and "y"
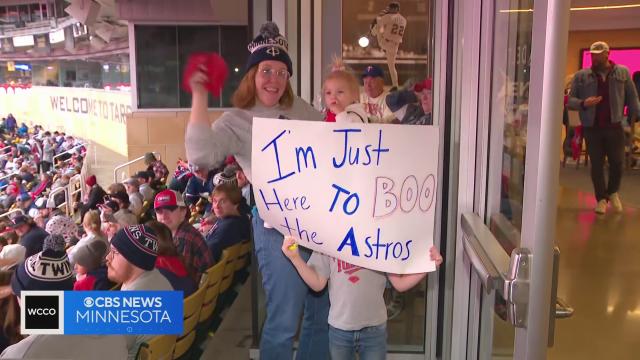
{"x": 629, "y": 57}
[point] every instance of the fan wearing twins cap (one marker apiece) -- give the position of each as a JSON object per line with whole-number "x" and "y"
{"x": 31, "y": 235}
{"x": 51, "y": 270}
{"x": 264, "y": 91}
{"x": 172, "y": 211}
{"x": 131, "y": 262}
{"x": 374, "y": 94}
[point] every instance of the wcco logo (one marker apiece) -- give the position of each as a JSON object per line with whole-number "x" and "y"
{"x": 42, "y": 312}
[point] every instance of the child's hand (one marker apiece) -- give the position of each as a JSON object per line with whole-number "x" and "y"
{"x": 290, "y": 248}
{"x": 435, "y": 256}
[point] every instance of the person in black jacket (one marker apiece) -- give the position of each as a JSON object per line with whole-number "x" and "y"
{"x": 95, "y": 197}
{"x": 31, "y": 235}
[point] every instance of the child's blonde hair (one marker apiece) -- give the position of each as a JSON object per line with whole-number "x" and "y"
{"x": 339, "y": 71}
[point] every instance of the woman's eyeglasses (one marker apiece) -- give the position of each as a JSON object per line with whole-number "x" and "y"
{"x": 281, "y": 74}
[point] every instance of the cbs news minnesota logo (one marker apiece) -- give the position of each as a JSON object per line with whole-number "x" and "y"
{"x": 42, "y": 312}
{"x": 101, "y": 312}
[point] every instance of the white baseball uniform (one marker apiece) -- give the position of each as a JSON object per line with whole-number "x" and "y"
{"x": 389, "y": 31}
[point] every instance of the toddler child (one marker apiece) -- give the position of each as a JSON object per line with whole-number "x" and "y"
{"x": 358, "y": 315}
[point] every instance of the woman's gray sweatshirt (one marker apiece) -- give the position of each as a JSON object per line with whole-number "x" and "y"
{"x": 207, "y": 147}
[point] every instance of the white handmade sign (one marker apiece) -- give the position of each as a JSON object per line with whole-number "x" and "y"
{"x": 363, "y": 193}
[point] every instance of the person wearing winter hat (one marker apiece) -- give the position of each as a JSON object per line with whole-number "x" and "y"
{"x": 264, "y": 91}
{"x": 95, "y": 197}
{"x": 51, "y": 270}
{"x": 171, "y": 210}
{"x": 89, "y": 265}
{"x": 226, "y": 176}
{"x": 47, "y": 270}
{"x": 31, "y": 235}
{"x": 64, "y": 226}
{"x": 132, "y": 258}
{"x": 131, "y": 262}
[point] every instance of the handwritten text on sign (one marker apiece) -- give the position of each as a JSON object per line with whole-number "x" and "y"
{"x": 364, "y": 193}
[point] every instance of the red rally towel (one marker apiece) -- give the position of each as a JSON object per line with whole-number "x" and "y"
{"x": 216, "y": 70}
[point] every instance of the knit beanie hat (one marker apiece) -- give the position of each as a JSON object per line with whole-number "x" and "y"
{"x": 64, "y": 226}
{"x": 91, "y": 255}
{"x": 227, "y": 176}
{"x": 269, "y": 45}
{"x": 138, "y": 244}
{"x": 54, "y": 242}
{"x": 47, "y": 270}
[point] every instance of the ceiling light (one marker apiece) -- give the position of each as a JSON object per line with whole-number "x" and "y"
{"x": 582, "y": 8}
{"x": 363, "y": 41}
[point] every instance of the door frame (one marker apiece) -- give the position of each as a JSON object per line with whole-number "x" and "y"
{"x": 473, "y": 49}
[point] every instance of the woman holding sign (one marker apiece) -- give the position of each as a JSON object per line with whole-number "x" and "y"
{"x": 263, "y": 92}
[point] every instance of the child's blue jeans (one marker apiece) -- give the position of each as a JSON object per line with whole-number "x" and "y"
{"x": 369, "y": 342}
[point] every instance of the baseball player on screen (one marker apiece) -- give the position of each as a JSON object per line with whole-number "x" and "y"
{"x": 388, "y": 28}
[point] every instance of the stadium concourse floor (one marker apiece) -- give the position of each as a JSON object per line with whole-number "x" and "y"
{"x": 599, "y": 271}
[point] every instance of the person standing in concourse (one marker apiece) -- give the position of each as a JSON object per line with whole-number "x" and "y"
{"x": 600, "y": 94}
{"x": 264, "y": 91}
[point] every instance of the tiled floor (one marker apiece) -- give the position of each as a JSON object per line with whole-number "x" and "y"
{"x": 599, "y": 270}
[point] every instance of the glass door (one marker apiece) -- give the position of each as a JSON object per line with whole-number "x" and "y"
{"x": 508, "y": 238}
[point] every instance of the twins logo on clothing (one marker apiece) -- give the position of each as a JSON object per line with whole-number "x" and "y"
{"x": 373, "y": 109}
{"x": 349, "y": 270}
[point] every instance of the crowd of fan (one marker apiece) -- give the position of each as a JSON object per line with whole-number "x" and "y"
{"x": 141, "y": 234}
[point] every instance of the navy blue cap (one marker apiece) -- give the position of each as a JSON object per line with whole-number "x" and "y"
{"x": 373, "y": 71}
